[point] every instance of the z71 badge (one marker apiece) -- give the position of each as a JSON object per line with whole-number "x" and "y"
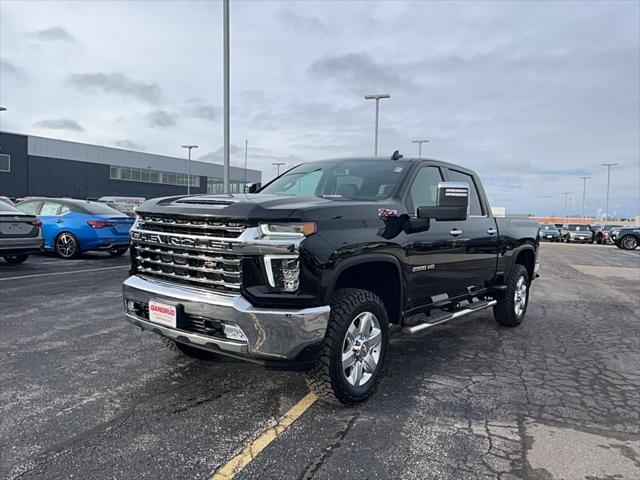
{"x": 387, "y": 213}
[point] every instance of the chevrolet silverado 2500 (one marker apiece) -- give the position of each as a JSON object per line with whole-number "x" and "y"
{"x": 310, "y": 272}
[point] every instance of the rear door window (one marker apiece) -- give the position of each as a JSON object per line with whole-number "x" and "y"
{"x": 475, "y": 206}
{"x": 50, "y": 208}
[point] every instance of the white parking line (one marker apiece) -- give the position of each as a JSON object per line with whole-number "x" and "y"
{"x": 63, "y": 273}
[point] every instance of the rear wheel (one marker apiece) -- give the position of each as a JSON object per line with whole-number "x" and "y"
{"x": 14, "y": 259}
{"x": 512, "y": 304}
{"x": 353, "y": 354}
{"x": 629, "y": 242}
{"x": 116, "y": 252}
{"x": 67, "y": 245}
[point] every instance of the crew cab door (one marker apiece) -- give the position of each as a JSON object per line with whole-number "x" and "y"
{"x": 434, "y": 258}
{"x": 480, "y": 235}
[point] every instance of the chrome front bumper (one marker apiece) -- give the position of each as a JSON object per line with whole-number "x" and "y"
{"x": 271, "y": 334}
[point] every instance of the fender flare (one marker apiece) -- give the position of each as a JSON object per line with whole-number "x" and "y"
{"x": 332, "y": 278}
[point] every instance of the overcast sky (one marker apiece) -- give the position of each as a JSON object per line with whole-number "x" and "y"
{"x": 531, "y": 95}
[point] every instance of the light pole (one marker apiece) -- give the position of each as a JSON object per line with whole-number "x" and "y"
{"x": 377, "y": 98}
{"x": 189, "y": 147}
{"x": 227, "y": 111}
{"x": 246, "y": 147}
{"x": 278, "y": 164}
{"x": 606, "y": 208}
{"x": 566, "y": 204}
{"x": 419, "y": 142}
{"x": 584, "y": 193}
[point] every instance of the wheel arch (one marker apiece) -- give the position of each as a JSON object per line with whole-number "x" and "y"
{"x": 378, "y": 273}
{"x": 525, "y": 256}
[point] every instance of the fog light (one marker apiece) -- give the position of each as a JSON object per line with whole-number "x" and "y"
{"x": 283, "y": 272}
{"x": 131, "y": 306}
{"x": 233, "y": 332}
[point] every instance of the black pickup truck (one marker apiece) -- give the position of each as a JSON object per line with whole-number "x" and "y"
{"x": 311, "y": 272}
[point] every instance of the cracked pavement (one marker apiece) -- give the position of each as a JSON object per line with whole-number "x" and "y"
{"x": 86, "y": 394}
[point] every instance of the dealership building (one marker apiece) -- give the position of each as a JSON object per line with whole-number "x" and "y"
{"x": 38, "y": 166}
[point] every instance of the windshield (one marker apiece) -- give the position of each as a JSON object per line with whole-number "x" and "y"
{"x": 353, "y": 179}
{"x": 550, "y": 227}
{"x": 99, "y": 209}
{"x": 579, "y": 228}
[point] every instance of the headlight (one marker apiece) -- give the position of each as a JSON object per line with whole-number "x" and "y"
{"x": 283, "y": 272}
{"x": 296, "y": 230}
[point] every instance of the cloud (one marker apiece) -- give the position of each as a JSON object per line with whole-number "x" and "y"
{"x": 161, "y": 118}
{"x": 59, "y": 124}
{"x": 8, "y": 68}
{"x": 117, "y": 83}
{"x": 128, "y": 144}
{"x": 359, "y": 72}
{"x": 53, "y": 34}
{"x": 199, "y": 109}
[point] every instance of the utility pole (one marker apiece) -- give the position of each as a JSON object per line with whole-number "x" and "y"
{"x": 189, "y": 147}
{"x": 419, "y": 142}
{"x": 606, "y": 208}
{"x": 584, "y": 193}
{"x": 377, "y": 98}
{"x": 278, "y": 164}
{"x": 566, "y": 204}
{"x": 227, "y": 111}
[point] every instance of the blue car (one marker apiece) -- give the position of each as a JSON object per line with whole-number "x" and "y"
{"x": 71, "y": 227}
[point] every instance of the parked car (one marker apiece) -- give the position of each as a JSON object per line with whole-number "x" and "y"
{"x": 308, "y": 273}
{"x": 601, "y": 233}
{"x": 126, "y": 205}
{"x": 20, "y": 234}
{"x": 576, "y": 232}
{"x": 6, "y": 200}
{"x": 71, "y": 227}
{"x": 549, "y": 232}
{"x": 626, "y": 238}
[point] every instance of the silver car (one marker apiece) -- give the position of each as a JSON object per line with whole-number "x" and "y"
{"x": 20, "y": 234}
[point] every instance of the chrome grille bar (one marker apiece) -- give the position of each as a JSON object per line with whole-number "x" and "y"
{"x": 182, "y": 278}
{"x": 188, "y": 267}
{"x": 190, "y": 256}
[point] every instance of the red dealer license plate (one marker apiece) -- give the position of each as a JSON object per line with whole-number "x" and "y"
{"x": 163, "y": 313}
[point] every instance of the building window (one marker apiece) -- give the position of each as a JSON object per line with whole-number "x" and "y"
{"x": 5, "y": 163}
{"x": 147, "y": 175}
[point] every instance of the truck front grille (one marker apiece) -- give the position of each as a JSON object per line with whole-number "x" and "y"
{"x": 207, "y": 227}
{"x": 195, "y": 251}
{"x": 213, "y": 270}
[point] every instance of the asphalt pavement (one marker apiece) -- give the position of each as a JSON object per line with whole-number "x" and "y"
{"x": 85, "y": 394}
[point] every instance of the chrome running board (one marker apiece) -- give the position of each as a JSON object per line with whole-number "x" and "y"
{"x": 445, "y": 317}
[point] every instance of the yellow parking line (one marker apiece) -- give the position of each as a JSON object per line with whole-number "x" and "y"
{"x": 251, "y": 451}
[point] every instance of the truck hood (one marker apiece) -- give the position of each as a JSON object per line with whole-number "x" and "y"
{"x": 255, "y": 206}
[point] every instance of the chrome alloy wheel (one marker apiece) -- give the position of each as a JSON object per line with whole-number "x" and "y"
{"x": 66, "y": 245}
{"x": 520, "y": 297}
{"x": 361, "y": 349}
{"x": 629, "y": 242}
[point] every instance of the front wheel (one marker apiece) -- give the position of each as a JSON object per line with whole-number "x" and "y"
{"x": 15, "y": 259}
{"x": 629, "y": 242}
{"x": 67, "y": 246}
{"x": 354, "y": 350}
{"x": 512, "y": 303}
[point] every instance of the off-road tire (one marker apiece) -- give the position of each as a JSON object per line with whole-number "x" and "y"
{"x": 188, "y": 350}
{"x": 15, "y": 259}
{"x": 326, "y": 378}
{"x": 504, "y": 311}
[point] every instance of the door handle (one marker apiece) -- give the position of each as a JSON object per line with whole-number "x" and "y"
{"x": 455, "y": 232}
{"x": 492, "y": 231}
{"x": 59, "y": 221}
